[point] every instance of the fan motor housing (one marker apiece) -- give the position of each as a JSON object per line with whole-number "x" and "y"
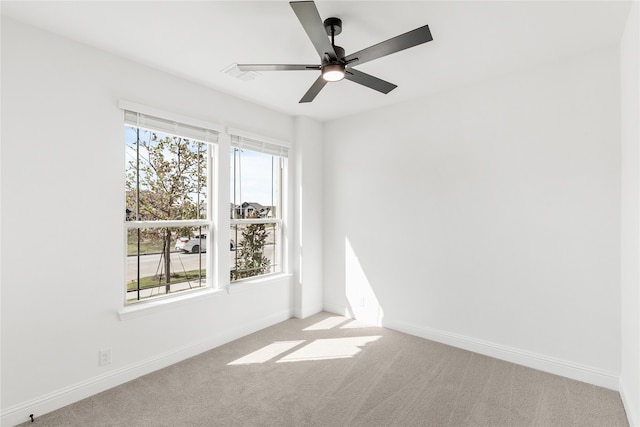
{"x": 339, "y": 52}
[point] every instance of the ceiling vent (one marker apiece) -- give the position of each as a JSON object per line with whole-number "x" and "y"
{"x": 234, "y": 71}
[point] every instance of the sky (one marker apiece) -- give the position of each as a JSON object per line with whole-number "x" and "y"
{"x": 254, "y": 174}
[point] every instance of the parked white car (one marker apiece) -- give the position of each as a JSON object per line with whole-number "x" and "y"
{"x": 195, "y": 244}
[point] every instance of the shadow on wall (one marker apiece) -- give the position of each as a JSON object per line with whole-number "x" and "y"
{"x": 362, "y": 302}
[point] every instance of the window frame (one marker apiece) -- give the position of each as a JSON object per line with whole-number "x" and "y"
{"x": 280, "y": 151}
{"x": 214, "y": 134}
{"x": 218, "y": 279}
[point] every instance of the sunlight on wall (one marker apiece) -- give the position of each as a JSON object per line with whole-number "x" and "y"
{"x": 362, "y": 300}
{"x": 331, "y": 348}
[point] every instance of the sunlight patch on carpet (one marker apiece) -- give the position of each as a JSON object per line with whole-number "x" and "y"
{"x": 331, "y": 348}
{"x": 357, "y": 324}
{"x": 328, "y": 323}
{"x": 267, "y": 353}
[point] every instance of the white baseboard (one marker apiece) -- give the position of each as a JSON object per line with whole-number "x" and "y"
{"x": 338, "y": 309}
{"x": 307, "y": 311}
{"x": 540, "y": 362}
{"x": 51, "y": 401}
{"x": 631, "y": 407}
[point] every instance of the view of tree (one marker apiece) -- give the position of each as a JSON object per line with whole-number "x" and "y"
{"x": 252, "y": 260}
{"x": 165, "y": 180}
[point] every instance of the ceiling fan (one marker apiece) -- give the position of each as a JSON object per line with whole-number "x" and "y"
{"x": 335, "y": 65}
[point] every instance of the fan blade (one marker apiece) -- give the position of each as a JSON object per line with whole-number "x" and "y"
{"x": 315, "y": 88}
{"x": 276, "y": 67}
{"x": 369, "y": 81}
{"x": 396, "y": 44}
{"x": 309, "y": 17}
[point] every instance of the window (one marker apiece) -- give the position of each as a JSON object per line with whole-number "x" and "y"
{"x": 257, "y": 173}
{"x": 167, "y": 215}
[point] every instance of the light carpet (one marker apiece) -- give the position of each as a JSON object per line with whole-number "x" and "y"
{"x": 331, "y": 371}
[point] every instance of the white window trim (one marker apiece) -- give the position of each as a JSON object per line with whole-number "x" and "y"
{"x": 249, "y": 283}
{"x": 167, "y": 302}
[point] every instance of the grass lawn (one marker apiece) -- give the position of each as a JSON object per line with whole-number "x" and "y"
{"x": 145, "y": 247}
{"x": 152, "y": 282}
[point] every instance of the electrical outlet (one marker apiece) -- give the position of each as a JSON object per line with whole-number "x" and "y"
{"x": 104, "y": 357}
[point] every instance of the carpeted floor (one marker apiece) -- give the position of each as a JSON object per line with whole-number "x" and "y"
{"x": 331, "y": 371}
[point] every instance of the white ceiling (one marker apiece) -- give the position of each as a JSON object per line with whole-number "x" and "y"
{"x": 196, "y": 40}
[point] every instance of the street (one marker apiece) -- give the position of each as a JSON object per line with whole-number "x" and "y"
{"x": 151, "y": 264}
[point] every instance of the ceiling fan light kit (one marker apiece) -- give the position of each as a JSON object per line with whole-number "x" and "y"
{"x": 333, "y": 72}
{"x": 334, "y": 64}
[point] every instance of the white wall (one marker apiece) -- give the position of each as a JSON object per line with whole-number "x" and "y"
{"x": 62, "y": 232}
{"x": 487, "y": 217}
{"x": 307, "y": 265}
{"x": 630, "y": 235}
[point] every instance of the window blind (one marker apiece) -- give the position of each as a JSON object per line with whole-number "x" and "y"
{"x": 170, "y": 127}
{"x": 260, "y": 146}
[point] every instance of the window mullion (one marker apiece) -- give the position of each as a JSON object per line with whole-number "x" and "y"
{"x": 277, "y": 221}
{"x": 138, "y": 210}
{"x": 168, "y": 223}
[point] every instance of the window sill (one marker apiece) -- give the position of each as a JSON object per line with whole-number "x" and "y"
{"x": 246, "y": 284}
{"x": 148, "y": 307}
